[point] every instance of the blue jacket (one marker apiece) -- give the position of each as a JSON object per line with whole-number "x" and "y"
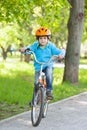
{"x": 44, "y": 54}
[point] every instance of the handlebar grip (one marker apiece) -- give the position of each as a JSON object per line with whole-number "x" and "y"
{"x": 27, "y": 50}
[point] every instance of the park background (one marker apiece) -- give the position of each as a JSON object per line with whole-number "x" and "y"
{"x": 19, "y": 19}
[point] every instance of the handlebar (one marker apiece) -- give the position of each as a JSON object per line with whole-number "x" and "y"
{"x": 41, "y": 63}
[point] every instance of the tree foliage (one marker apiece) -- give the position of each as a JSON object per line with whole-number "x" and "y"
{"x": 31, "y": 14}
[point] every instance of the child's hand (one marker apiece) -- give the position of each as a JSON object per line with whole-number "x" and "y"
{"x": 22, "y": 49}
{"x": 60, "y": 57}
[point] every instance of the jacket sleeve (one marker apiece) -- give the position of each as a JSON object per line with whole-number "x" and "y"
{"x": 57, "y": 51}
{"x": 32, "y": 47}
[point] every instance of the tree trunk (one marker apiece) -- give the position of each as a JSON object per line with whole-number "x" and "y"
{"x": 27, "y": 58}
{"x": 4, "y": 53}
{"x": 75, "y": 28}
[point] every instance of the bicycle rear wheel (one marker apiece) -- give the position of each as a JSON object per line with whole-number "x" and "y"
{"x": 37, "y": 107}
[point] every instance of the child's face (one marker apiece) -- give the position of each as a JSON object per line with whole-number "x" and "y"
{"x": 43, "y": 40}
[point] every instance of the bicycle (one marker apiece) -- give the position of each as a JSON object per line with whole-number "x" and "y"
{"x": 40, "y": 101}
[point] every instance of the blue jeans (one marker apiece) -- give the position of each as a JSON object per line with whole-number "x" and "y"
{"x": 49, "y": 77}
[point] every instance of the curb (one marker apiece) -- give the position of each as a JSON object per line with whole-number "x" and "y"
{"x": 15, "y": 116}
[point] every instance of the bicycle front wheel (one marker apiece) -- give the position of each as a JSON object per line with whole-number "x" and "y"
{"x": 45, "y": 106}
{"x": 37, "y": 107}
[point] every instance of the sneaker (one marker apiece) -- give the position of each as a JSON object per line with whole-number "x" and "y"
{"x": 49, "y": 95}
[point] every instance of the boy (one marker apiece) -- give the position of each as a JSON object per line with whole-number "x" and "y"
{"x": 44, "y": 49}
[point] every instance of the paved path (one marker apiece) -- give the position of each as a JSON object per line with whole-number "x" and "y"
{"x": 60, "y": 65}
{"x": 67, "y": 114}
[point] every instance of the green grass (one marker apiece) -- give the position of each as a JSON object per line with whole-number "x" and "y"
{"x": 64, "y": 90}
{"x": 83, "y": 60}
{"x": 15, "y": 81}
{"x": 16, "y": 87}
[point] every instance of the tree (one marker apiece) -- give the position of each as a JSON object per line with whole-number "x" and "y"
{"x": 5, "y": 51}
{"x": 8, "y": 37}
{"x": 75, "y": 28}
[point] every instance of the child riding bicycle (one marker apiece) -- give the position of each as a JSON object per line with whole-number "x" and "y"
{"x": 44, "y": 49}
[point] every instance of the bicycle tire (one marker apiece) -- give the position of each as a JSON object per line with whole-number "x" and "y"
{"x": 38, "y": 102}
{"x": 45, "y": 107}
